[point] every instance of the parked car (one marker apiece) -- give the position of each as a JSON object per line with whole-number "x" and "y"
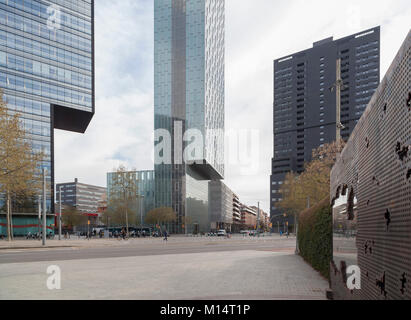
{"x": 222, "y": 233}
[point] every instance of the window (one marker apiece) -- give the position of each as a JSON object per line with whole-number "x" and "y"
{"x": 3, "y": 58}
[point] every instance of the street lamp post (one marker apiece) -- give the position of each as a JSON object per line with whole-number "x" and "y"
{"x": 39, "y": 217}
{"x": 59, "y": 220}
{"x": 258, "y": 220}
{"x": 141, "y": 215}
{"x": 44, "y": 208}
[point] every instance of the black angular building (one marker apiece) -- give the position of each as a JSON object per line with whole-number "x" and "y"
{"x": 305, "y": 107}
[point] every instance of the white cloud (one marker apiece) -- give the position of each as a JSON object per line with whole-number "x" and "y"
{"x": 257, "y": 32}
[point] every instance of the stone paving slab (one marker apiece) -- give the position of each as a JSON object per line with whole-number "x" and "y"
{"x": 240, "y": 275}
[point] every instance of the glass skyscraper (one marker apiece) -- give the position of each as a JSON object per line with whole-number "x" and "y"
{"x": 47, "y": 70}
{"x": 145, "y": 188}
{"x": 189, "y": 94}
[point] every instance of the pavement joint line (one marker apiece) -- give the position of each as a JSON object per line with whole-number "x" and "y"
{"x": 37, "y": 248}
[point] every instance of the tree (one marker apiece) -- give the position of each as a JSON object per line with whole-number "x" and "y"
{"x": 118, "y": 212}
{"x": 313, "y": 185}
{"x": 19, "y": 164}
{"x": 72, "y": 217}
{"x": 161, "y": 216}
{"x": 123, "y": 195}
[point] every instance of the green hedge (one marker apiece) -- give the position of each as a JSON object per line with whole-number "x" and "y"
{"x": 315, "y": 237}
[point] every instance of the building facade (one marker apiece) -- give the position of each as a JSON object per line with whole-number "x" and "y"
{"x": 248, "y": 218}
{"x": 263, "y": 218}
{"x": 221, "y": 209}
{"x": 305, "y": 107}
{"x": 236, "y": 227}
{"x": 371, "y": 194}
{"x": 189, "y": 105}
{"x": 85, "y": 198}
{"x": 47, "y": 75}
{"x": 145, "y": 189}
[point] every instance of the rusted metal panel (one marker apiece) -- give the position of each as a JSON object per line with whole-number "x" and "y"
{"x": 376, "y": 167}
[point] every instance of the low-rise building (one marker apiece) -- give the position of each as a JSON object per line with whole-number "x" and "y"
{"x": 236, "y": 214}
{"x": 263, "y": 218}
{"x": 84, "y": 197}
{"x": 248, "y": 218}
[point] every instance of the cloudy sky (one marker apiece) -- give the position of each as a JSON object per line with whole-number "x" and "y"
{"x": 257, "y": 32}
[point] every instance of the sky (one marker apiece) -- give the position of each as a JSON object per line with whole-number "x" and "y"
{"x": 257, "y": 32}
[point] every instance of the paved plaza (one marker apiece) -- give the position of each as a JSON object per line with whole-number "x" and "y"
{"x": 184, "y": 268}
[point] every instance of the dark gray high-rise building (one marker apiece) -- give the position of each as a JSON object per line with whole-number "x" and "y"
{"x": 305, "y": 107}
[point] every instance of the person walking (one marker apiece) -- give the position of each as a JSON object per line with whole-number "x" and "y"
{"x": 165, "y": 236}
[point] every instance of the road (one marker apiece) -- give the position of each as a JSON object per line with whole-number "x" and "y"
{"x": 75, "y": 250}
{"x": 183, "y": 268}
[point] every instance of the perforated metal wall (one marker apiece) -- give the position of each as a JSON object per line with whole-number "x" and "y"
{"x": 376, "y": 167}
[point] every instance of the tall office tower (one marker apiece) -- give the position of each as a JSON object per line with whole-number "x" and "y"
{"x": 47, "y": 70}
{"x": 189, "y": 94}
{"x": 305, "y": 107}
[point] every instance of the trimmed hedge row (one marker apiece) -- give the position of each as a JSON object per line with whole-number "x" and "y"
{"x": 315, "y": 237}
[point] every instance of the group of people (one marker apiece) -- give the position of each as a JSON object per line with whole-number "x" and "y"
{"x": 123, "y": 234}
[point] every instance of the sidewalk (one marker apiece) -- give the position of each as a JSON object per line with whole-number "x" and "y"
{"x": 75, "y": 242}
{"x": 237, "y": 275}
{"x": 71, "y": 243}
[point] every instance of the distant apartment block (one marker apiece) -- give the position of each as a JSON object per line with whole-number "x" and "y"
{"x": 262, "y": 217}
{"x": 236, "y": 214}
{"x": 85, "y": 198}
{"x": 305, "y": 107}
{"x": 248, "y": 218}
